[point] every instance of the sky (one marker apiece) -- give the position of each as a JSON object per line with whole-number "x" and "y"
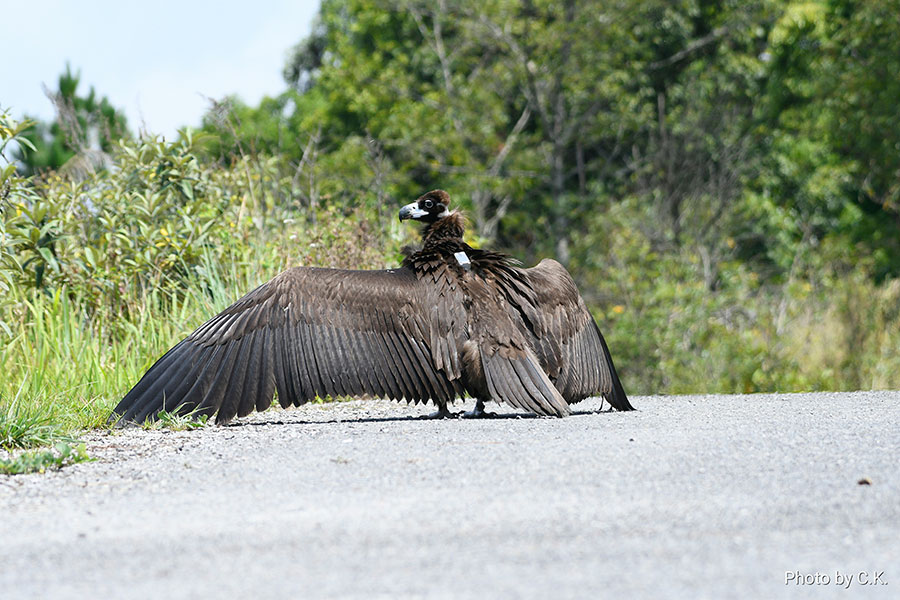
{"x": 159, "y": 61}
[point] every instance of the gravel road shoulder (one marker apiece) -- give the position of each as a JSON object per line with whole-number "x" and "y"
{"x": 689, "y": 497}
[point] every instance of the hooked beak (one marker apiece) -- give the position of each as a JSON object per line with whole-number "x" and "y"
{"x": 412, "y": 211}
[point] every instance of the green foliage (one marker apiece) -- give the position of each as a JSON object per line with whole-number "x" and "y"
{"x": 831, "y": 102}
{"x": 830, "y": 328}
{"x": 151, "y": 225}
{"x": 39, "y": 461}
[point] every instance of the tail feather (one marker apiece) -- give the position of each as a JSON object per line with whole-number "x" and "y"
{"x": 520, "y": 382}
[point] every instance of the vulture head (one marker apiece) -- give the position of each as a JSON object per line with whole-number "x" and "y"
{"x": 429, "y": 208}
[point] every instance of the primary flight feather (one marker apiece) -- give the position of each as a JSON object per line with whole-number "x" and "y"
{"x": 451, "y": 320}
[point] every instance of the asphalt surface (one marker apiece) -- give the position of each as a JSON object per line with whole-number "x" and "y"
{"x": 689, "y": 497}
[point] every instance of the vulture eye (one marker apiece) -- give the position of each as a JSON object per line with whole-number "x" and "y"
{"x": 429, "y": 204}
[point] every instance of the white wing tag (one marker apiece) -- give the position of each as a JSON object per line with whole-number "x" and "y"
{"x": 463, "y": 260}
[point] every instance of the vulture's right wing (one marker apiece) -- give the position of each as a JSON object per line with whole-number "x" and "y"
{"x": 308, "y": 332}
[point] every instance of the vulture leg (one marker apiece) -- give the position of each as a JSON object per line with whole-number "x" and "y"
{"x": 478, "y": 412}
{"x": 442, "y": 413}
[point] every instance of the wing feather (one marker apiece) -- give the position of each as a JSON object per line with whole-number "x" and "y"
{"x": 283, "y": 383}
{"x": 219, "y": 382}
{"x": 172, "y": 363}
{"x": 211, "y": 359}
{"x": 170, "y": 386}
{"x": 406, "y": 364}
{"x": 244, "y": 401}
{"x": 178, "y": 386}
{"x": 400, "y": 359}
{"x": 291, "y": 365}
{"x": 266, "y": 379}
{"x": 310, "y": 381}
{"x": 237, "y": 382}
{"x": 345, "y": 365}
{"x": 385, "y": 372}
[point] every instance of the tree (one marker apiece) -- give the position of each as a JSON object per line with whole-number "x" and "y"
{"x": 86, "y": 127}
{"x": 731, "y": 128}
{"x": 831, "y": 105}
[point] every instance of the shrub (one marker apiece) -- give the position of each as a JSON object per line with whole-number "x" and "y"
{"x": 830, "y": 325}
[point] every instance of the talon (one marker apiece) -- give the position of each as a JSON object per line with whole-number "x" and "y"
{"x": 441, "y": 413}
{"x": 477, "y": 413}
{"x": 473, "y": 414}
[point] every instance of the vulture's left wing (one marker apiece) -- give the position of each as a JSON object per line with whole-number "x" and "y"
{"x": 308, "y": 332}
{"x": 565, "y": 337}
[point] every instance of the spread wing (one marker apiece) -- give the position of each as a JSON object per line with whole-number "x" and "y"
{"x": 564, "y": 336}
{"x": 308, "y": 332}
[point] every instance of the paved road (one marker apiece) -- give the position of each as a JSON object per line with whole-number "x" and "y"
{"x": 690, "y": 497}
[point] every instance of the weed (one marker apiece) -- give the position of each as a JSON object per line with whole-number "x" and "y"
{"x": 176, "y": 422}
{"x": 38, "y": 461}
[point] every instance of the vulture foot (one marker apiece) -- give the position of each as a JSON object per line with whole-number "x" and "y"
{"x": 477, "y": 413}
{"x": 441, "y": 413}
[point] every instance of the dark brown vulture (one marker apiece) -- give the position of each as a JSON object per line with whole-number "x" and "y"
{"x": 451, "y": 320}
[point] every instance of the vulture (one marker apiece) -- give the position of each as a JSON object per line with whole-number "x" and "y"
{"x": 451, "y": 320}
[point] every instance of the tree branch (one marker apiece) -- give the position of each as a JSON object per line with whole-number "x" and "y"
{"x": 694, "y": 46}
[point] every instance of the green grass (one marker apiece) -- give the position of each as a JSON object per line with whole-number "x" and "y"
{"x": 22, "y": 427}
{"x": 65, "y": 369}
